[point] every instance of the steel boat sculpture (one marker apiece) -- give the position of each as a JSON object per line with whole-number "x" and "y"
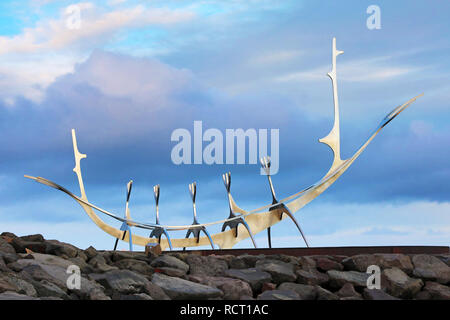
{"x": 241, "y": 224}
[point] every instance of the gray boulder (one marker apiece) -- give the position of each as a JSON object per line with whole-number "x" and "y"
{"x": 138, "y": 266}
{"x": 351, "y": 298}
{"x": 45, "y": 288}
{"x": 437, "y": 291}
{"x": 233, "y": 289}
{"x": 21, "y": 246}
{"x": 80, "y": 262}
{"x": 98, "y": 294}
{"x": 311, "y": 277}
{"x": 306, "y": 263}
{"x": 46, "y": 259}
{"x": 120, "y": 255}
{"x": 280, "y": 257}
{"x": 107, "y": 255}
{"x": 359, "y": 262}
{"x": 8, "y": 235}
{"x": 125, "y": 282}
{"x": 10, "y": 281}
{"x": 280, "y": 271}
{"x": 54, "y": 270}
{"x": 98, "y": 262}
{"x": 20, "y": 285}
{"x": 278, "y": 295}
{"x": 324, "y": 294}
{"x": 305, "y": 292}
{"x": 9, "y": 295}
{"x": 61, "y": 249}
{"x": 180, "y": 289}
{"x": 395, "y": 260}
{"x": 239, "y": 263}
{"x": 444, "y": 258}
{"x": 6, "y": 247}
{"x": 136, "y": 296}
{"x": 172, "y": 272}
{"x": 34, "y": 272}
{"x": 224, "y": 257}
{"x": 90, "y": 252}
{"x": 376, "y": 294}
{"x": 431, "y": 268}
{"x": 244, "y": 261}
{"x": 5, "y": 285}
{"x": 254, "y": 277}
{"x": 170, "y": 262}
{"x": 120, "y": 281}
{"x": 325, "y": 264}
{"x": 384, "y": 260}
{"x": 9, "y": 257}
{"x": 206, "y": 265}
{"x": 399, "y": 284}
{"x": 340, "y": 278}
{"x": 33, "y": 237}
{"x": 348, "y": 290}
{"x": 3, "y": 266}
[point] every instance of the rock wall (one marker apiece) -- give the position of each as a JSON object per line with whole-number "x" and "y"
{"x": 34, "y": 268}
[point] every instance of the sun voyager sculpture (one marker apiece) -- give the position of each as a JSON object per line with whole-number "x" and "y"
{"x": 241, "y": 224}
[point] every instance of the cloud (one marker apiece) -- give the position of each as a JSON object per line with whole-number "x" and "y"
{"x": 29, "y": 76}
{"x": 54, "y": 34}
{"x": 363, "y": 70}
{"x": 116, "y": 2}
{"x": 117, "y": 102}
{"x": 33, "y": 59}
{"x": 385, "y": 231}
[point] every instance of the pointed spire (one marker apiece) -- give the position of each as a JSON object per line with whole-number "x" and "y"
{"x": 233, "y": 224}
{"x": 333, "y": 138}
{"x": 157, "y": 232}
{"x": 127, "y": 210}
{"x": 193, "y": 193}
{"x": 265, "y": 164}
{"x": 196, "y": 230}
{"x": 156, "y": 195}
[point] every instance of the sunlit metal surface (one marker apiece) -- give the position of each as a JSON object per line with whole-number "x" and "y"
{"x": 196, "y": 231}
{"x": 158, "y": 231}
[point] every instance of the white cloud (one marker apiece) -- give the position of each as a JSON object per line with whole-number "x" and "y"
{"x": 53, "y": 34}
{"x": 142, "y": 79}
{"x": 29, "y": 77}
{"x": 116, "y": 2}
{"x": 32, "y": 60}
{"x": 372, "y": 69}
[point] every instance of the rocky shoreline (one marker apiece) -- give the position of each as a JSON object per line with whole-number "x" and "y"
{"x": 32, "y": 268}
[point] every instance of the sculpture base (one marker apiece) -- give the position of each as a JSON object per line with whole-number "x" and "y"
{"x": 345, "y": 251}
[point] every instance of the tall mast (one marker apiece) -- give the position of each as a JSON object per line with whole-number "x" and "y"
{"x": 333, "y": 138}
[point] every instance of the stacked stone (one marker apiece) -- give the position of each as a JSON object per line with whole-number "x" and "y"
{"x": 34, "y": 268}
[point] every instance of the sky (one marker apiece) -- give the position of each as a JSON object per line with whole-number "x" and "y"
{"x": 131, "y": 72}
